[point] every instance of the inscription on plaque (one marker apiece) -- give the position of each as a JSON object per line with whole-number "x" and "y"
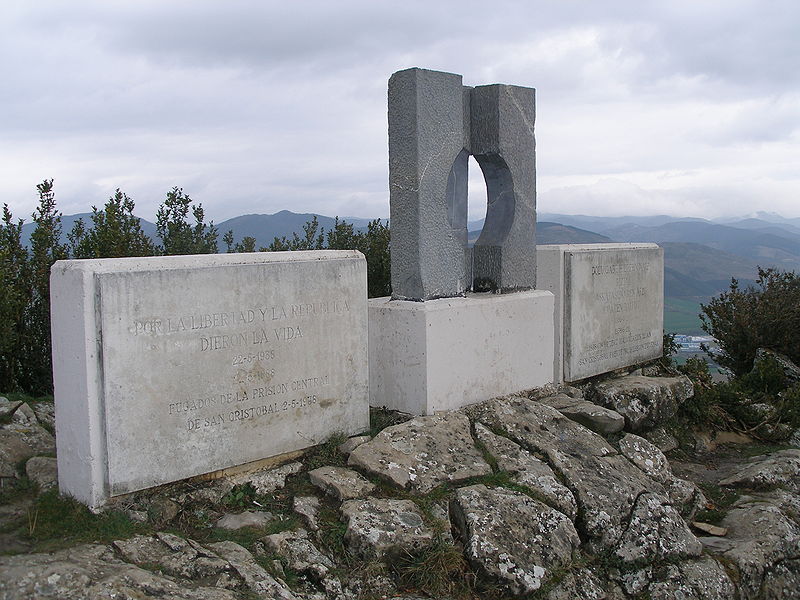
{"x": 613, "y": 309}
{"x": 204, "y": 369}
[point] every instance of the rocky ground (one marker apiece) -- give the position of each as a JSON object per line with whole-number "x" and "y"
{"x": 559, "y": 494}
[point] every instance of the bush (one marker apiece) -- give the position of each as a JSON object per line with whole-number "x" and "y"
{"x": 115, "y": 232}
{"x": 743, "y": 320}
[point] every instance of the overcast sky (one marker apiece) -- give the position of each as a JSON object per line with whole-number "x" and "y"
{"x": 681, "y": 107}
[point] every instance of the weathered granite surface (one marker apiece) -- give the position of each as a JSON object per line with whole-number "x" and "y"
{"x": 527, "y": 499}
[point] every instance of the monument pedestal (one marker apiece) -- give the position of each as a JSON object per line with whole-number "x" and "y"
{"x": 443, "y": 354}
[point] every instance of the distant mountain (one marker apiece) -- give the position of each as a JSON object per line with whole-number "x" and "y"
{"x": 265, "y": 228}
{"x": 555, "y": 233}
{"x": 765, "y": 249}
{"x": 602, "y": 224}
{"x": 766, "y": 226}
{"x": 697, "y": 271}
{"x": 558, "y": 233}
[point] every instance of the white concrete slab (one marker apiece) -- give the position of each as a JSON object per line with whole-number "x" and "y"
{"x": 609, "y": 305}
{"x": 170, "y": 367}
{"x": 443, "y": 354}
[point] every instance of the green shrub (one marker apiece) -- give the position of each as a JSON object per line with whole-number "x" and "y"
{"x": 744, "y": 320}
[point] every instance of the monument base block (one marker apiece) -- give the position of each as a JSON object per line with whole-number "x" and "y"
{"x": 443, "y": 354}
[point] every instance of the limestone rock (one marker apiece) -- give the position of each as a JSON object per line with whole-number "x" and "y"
{"x": 13, "y": 450}
{"x": 423, "y": 453}
{"x": 779, "y": 469}
{"x": 23, "y": 437}
{"x": 528, "y": 470}
{"x": 760, "y": 537}
{"x": 513, "y": 538}
{"x": 538, "y": 426}
{"x": 92, "y": 571}
{"x": 308, "y": 507}
{"x": 794, "y": 439}
{"x": 597, "y": 418}
{"x": 24, "y": 416}
{"x": 790, "y": 370}
{"x": 352, "y": 443}
{"x": 645, "y": 402}
{"x": 255, "y": 577}
{"x": 301, "y": 555}
{"x": 656, "y": 532}
{"x": 606, "y": 488}
{"x": 605, "y": 485}
{"x": 174, "y": 555}
{"x": 7, "y": 407}
{"x": 783, "y": 581}
{"x": 266, "y": 481}
{"x": 661, "y": 439}
{"x": 647, "y": 457}
{"x": 43, "y": 471}
{"x": 45, "y": 414}
{"x": 702, "y": 579}
{"x": 340, "y": 482}
{"x": 379, "y": 527}
{"x": 162, "y": 510}
{"x": 580, "y": 584}
{"x": 244, "y": 519}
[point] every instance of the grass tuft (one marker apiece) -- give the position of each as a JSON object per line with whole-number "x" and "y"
{"x": 56, "y": 521}
{"x": 438, "y": 570}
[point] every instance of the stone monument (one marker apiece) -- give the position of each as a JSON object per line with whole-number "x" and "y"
{"x": 609, "y": 305}
{"x": 175, "y": 366}
{"x": 463, "y": 324}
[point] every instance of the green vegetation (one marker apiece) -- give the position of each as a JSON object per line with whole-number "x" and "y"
{"x": 763, "y": 316}
{"x": 438, "y": 570}
{"x": 56, "y": 521}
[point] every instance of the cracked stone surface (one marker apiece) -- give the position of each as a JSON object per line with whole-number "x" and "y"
{"x": 174, "y": 555}
{"x": 535, "y": 425}
{"x": 597, "y": 418}
{"x": 243, "y": 519}
{"x": 580, "y": 584}
{"x": 340, "y": 482}
{"x": 22, "y": 438}
{"x": 513, "y": 537}
{"x": 254, "y": 576}
{"x": 645, "y": 402}
{"x": 298, "y": 552}
{"x": 779, "y": 469}
{"x": 423, "y": 453}
{"x": 92, "y": 571}
{"x": 528, "y": 470}
{"x": 760, "y": 536}
{"x": 605, "y": 484}
{"x": 308, "y": 507}
{"x": 702, "y": 579}
{"x": 645, "y": 455}
{"x": 783, "y": 581}
{"x": 43, "y": 471}
{"x": 381, "y": 527}
{"x": 656, "y": 532}
{"x": 266, "y": 481}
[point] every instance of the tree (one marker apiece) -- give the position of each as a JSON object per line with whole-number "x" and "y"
{"x": 375, "y": 246}
{"x": 177, "y": 235}
{"x": 115, "y": 232}
{"x": 248, "y": 243}
{"x": 35, "y": 372}
{"x": 373, "y": 243}
{"x": 14, "y": 277}
{"x": 764, "y": 316}
{"x": 313, "y": 239}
